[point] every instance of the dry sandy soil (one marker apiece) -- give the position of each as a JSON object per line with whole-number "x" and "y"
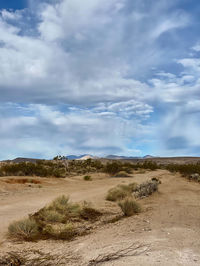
{"x": 169, "y": 225}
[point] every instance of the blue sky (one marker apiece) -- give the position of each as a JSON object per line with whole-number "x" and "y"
{"x": 13, "y": 4}
{"x": 100, "y": 77}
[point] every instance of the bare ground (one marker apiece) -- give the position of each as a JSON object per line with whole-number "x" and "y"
{"x": 169, "y": 224}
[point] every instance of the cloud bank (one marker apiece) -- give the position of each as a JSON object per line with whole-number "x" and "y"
{"x": 99, "y": 77}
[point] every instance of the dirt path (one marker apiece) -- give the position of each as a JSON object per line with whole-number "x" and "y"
{"x": 25, "y": 200}
{"x": 170, "y": 223}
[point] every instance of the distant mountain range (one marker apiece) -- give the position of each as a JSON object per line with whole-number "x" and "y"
{"x": 111, "y": 157}
{"x": 116, "y": 157}
{"x": 81, "y": 157}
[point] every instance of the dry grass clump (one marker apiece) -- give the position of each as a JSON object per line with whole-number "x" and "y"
{"x": 26, "y": 229}
{"x": 120, "y": 192}
{"x": 59, "y": 211}
{"x": 129, "y": 206}
{"x": 52, "y": 216}
{"x": 60, "y": 231}
{"x": 117, "y": 193}
{"x": 61, "y": 219}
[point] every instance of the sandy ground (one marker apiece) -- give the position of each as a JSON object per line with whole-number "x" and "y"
{"x": 169, "y": 223}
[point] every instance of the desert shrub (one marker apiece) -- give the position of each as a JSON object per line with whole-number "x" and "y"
{"x": 97, "y": 164}
{"x": 59, "y": 220}
{"x": 120, "y": 191}
{"x": 60, "y": 231}
{"x": 84, "y": 167}
{"x": 26, "y": 229}
{"x": 184, "y": 169}
{"x": 132, "y": 186}
{"x": 147, "y": 165}
{"x": 146, "y": 189}
{"x": 128, "y": 170}
{"x": 52, "y": 216}
{"x": 61, "y": 200}
{"x": 129, "y": 206}
{"x": 113, "y": 168}
{"x": 122, "y": 174}
{"x": 90, "y": 214}
{"x": 87, "y": 178}
{"x": 59, "y": 172}
{"x": 40, "y": 168}
{"x": 117, "y": 193}
{"x": 63, "y": 206}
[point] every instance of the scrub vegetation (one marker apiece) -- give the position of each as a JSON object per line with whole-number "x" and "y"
{"x": 61, "y": 219}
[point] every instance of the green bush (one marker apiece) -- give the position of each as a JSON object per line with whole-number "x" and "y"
{"x": 87, "y": 178}
{"x": 147, "y": 165}
{"x": 26, "y": 229}
{"x": 40, "y": 168}
{"x": 113, "y": 168}
{"x": 129, "y": 206}
{"x": 184, "y": 169}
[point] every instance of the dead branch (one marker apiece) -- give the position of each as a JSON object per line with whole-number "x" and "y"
{"x": 133, "y": 250}
{"x": 33, "y": 258}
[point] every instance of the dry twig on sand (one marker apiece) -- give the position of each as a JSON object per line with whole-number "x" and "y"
{"x": 133, "y": 250}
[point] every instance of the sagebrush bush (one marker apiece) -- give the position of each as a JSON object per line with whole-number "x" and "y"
{"x": 26, "y": 229}
{"x": 129, "y": 206}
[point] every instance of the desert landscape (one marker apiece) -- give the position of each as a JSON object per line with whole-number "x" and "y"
{"x": 164, "y": 232}
{"x": 99, "y": 133}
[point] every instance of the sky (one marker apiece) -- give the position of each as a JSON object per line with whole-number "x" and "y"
{"x": 99, "y": 77}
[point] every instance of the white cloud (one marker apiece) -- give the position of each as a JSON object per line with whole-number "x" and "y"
{"x": 95, "y": 60}
{"x": 37, "y": 126}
